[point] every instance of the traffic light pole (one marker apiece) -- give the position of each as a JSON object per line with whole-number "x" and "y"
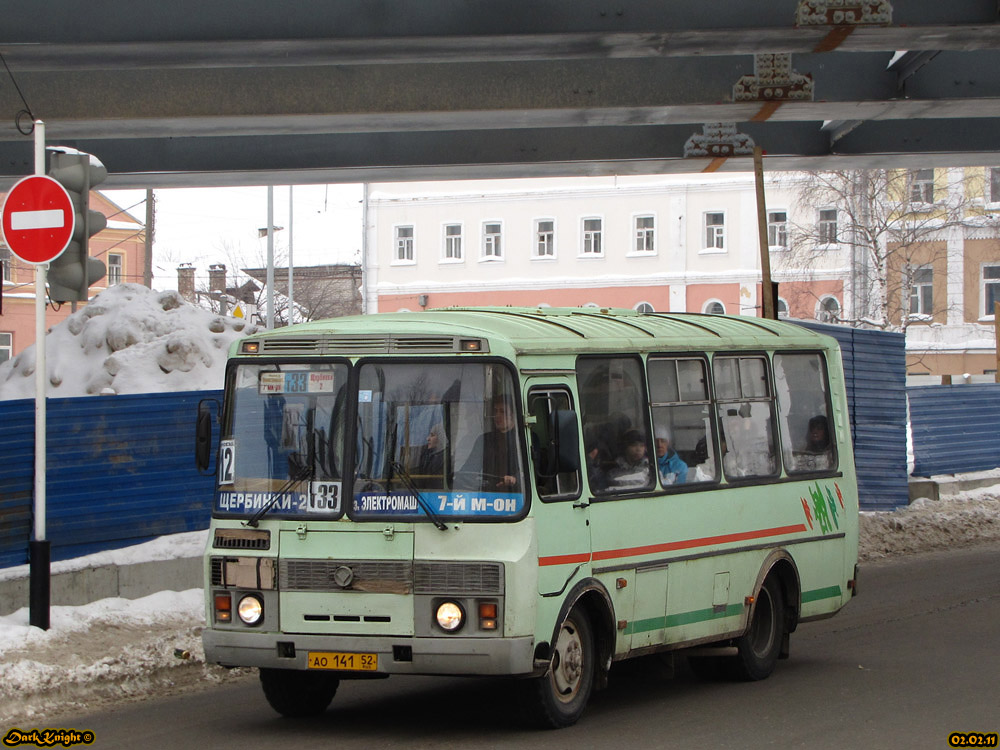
{"x": 39, "y": 552}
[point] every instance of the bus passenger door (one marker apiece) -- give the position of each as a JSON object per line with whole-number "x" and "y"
{"x": 562, "y": 515}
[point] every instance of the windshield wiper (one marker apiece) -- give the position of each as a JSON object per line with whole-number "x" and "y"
{"x": 411, "y": 487}
{"x": 299, "y": 472}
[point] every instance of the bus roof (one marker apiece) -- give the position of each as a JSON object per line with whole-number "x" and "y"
{"x": 537, "y": 330}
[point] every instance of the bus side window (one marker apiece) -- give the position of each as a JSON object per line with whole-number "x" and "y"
{"x": 615, "y": 418}
{"x": 550, "y": 482}
{"x": 807, "y": 430}
{"x": 682, "y": 421}
{"x": 746, "y": 417}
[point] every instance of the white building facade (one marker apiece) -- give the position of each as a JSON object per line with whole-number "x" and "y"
{"x": 665, "y": 244}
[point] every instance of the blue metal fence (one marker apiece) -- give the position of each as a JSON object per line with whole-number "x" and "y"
{"x": 121, "y": 468}
{"x": 954, "y": 428}
{"x": 120, "y": 471}
{"x": 875, "y": 371}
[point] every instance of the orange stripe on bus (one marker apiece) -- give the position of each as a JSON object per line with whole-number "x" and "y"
{"x": 563, "y": 559}
{"x": 650, "y": 549}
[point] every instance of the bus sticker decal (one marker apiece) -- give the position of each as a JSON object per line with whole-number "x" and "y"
{"x": 323, "y": 499}
{"x": 823, "y": 509}
{"x": 479, "y": 504}
{"x": 227, "y": 461}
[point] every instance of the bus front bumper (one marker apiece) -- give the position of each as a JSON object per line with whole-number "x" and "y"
{"x": 403, "y": 655}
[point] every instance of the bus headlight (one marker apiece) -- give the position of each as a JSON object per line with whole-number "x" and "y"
{"x": 450, "y": 616}
{"x": 251, "y": 610}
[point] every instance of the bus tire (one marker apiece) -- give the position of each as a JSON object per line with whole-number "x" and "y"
{"x": 758, "y": 649}
{"x": 558, "y": 698}
{"x": 295, "y": 694}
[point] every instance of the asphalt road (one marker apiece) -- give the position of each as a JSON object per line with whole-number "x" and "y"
{"x": 913, "y": 658}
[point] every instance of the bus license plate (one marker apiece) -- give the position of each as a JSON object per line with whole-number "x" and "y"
{"x": 339, "y": 660}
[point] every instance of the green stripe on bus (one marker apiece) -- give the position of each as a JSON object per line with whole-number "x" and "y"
{"x": 830, "y": 592}
{"x": 703, "y": 615}
{"x": 681, "y": 618}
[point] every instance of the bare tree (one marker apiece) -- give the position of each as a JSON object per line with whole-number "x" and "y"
{"x": 895, "y": 225}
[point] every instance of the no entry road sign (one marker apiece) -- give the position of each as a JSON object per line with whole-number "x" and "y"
{"x": 38, "y": 219}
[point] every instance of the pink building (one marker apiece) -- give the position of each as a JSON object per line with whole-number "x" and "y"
{"x": 122, "y": 249}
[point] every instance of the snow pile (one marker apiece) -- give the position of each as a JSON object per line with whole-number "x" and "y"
{"x": 104, "y": 653}
{"x": 129, "y": 339}
{"x": 185, "y": 544}
{"x": 963, "y": 520}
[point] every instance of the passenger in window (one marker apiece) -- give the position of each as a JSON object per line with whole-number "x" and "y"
{"x": 430, "y": 463}
{"x": 598, "y": 459}
{"x": 818, "y": 453}
{"x": 673, "y": 470}
{"x": 631, "y": 468}
{"x": 494, "y": 456}
{"x": 818, "y": 435}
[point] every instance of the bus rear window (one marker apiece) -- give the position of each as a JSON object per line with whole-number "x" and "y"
{"x": 807, "y": 443}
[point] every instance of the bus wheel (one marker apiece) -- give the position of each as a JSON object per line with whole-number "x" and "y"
{"x": 557, "y": 699}
{"x": 298, "y": 694}
{"x": 759, "y": 648}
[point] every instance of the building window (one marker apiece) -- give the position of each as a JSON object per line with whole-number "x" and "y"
{"x": 492, "y": 239}
{"x": 921, "y": 282}
{"x": 993, "y": 189}
{"x": 829, "y": 310}
{"x": 114, "y": 269}
{"x": 922, "y": 186}
{"x": 714, "y": 307}
{"x": 715, "y": 231}
{"x": 645, "y": 235}
{"x": 990, "y": 289}
{"x": 828, "y": 226}
{"x": 644, "y": 307}
{"x": 404, "y": 244}
{"x": 592, "y": 244}
{"x": 545, "y": 238}
{"x": 777, "y": 230}
{"x": 782, "y": 308}
{"x": 5, "y": 258}
{"x": 453, "y": 242}
{"x": 6, "y": 346}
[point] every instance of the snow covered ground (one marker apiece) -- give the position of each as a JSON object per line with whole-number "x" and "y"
{"x": 117, "y": 650}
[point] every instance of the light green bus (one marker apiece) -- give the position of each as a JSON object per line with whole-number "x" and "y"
{"x": 537, "y": 493}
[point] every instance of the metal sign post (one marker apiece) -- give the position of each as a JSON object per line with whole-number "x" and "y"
{"x": 38, "y": 223}
{"x": 39, "y": 548}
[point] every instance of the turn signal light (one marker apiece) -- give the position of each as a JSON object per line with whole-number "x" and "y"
{"x": 223, "y": 608}
{"x": 250, "y": 347}
{"x": 470, "y": 345}
{"x": 488, "y": 615}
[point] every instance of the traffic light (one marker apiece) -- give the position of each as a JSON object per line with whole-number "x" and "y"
{"x": 71, "y": 274}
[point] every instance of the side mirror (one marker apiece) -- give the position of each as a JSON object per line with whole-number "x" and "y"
{"x": 203, "y": 434}
{"x": 564, "y": 445}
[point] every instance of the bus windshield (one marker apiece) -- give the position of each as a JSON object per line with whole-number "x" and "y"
{"x": 282, "y": 444}
{"x": 445, "y": 430}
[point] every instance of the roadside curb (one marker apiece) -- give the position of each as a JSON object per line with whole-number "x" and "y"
{"x": 938, "y": 487}
{"x": 87, "y": 585}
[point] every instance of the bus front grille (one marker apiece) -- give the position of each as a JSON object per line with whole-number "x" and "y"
{"x": 392, "y": 577}
{"x": 458, "y": 578}
{"x": 242, "y": 539}
{"x": 365, "y": 576}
